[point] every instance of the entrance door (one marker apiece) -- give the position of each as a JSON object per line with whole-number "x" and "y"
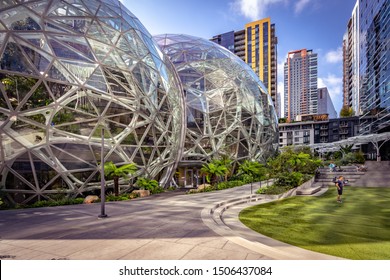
{"x": 189, "y": 182}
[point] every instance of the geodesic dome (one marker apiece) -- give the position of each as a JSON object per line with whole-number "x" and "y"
{"x": 228, "y": 109}
{"x": 68, "y": 69}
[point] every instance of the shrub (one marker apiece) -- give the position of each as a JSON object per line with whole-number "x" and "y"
{"x": 273, "y": 190}
{"x": 359, "y": 157}
{"x": 52, "y": 203}
{"x": 229, "y": 184}
{"x": 112, "y": 197}
{"x": 149, "y": 184}
{"x": 293, "y": 179}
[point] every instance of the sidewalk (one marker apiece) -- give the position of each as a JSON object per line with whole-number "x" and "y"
{"x": 175, "y": 227}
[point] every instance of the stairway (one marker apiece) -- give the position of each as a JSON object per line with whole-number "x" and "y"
{"x": 377, "y": 175}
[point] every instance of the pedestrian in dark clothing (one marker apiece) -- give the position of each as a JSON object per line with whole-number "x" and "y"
{"x": 340, "y": 186}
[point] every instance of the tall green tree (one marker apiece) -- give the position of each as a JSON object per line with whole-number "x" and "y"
{"x": 111, "y": 171}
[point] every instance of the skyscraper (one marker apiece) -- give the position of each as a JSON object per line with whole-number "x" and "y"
{"x": 257, "y": 46}
{"x": 300, "y": 84}
{"x": 261, "y": 52}
{"x": 366, "y": 64}
{"x": 325, "y": 104}
{"x": 351, "y": 63}
{"x": 374, "y": 68}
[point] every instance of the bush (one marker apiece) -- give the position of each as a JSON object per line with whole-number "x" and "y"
{"x": 148, "y": 184}
{"x": 229, "y": 184}
{"x": 359, "y": 157}
{"x": 52, "y": 203}
{"x": 293, "y": 179}
{"x": 112, "y": 197}
{"x": 273, "y": 190}
{"x": 355, "y": 157}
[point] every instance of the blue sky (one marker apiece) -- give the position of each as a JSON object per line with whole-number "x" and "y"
{"x": 312, "y": 24}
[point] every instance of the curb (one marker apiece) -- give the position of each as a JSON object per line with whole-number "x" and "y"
{"x": 231, "y": 228}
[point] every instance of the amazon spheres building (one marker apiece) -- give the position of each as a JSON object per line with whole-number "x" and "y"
{"x": 84, "y": 80}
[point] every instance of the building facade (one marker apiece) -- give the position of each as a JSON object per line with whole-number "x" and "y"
{"x": 374, "y": 68}
{"x": 300, "y": 84}
{"x": 257, "y": 46}
{"x": 325, "y": 103}
{"x": 318, "y": 130}
{"x": 351, "y": 96}
{"x": 366, "y": 64}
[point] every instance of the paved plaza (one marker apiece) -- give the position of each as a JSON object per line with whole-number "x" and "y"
{"x": 168, "y": 226}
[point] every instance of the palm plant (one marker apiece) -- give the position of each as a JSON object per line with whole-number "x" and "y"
{"x": 226, "y": 161}
{"x": 114, "y": 172}
{"x": 252, "y": 169}
{"x": 213, "y": 170}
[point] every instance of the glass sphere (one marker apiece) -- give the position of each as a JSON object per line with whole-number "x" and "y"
{"x": 228, "y": 110}
{"x": 76, "y": 75}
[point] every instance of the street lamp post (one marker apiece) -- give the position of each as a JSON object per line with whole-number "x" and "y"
{"x": 102, "y": 181}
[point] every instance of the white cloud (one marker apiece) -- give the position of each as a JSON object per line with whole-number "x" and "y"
{"x": 254, "y": 9}
{"x": 300, "y": 5}
{"x": 334, "y": 56}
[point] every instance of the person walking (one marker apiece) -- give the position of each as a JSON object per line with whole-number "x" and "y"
{"x": 340, "y": 186}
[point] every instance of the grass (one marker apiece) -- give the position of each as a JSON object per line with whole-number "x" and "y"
{"x": 358, "y": 228}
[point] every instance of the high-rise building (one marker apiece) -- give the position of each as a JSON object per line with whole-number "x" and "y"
{"x": 261, "y": 52}
{"x": 345, "y": 69}
{"x": 325, "y": 104}
{"x": 374, "y": 68}
{"x": 279, "y": 108}
{"x": 366, "y": 64}
{"x": 225, "y": 40}
{"x": 300, "y": 84}
{"x": 351, "y": 63}
{"x": 257, "y": 46}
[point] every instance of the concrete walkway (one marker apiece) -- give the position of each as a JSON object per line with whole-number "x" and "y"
{"x": 169, "y": 226}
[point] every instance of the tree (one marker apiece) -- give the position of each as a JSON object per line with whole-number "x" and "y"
{"x": 252, "y": 168}
{"x": 213, "y": 170}
{"x": 346, "y": 112}
{"x": 290, "y": 160}
{"x": 282, "y": 120}
{"x": 114, "y": 172}
{"x": 226, "y": 161}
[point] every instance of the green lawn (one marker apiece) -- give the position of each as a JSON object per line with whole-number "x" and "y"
{"x": 358, "y": 228}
